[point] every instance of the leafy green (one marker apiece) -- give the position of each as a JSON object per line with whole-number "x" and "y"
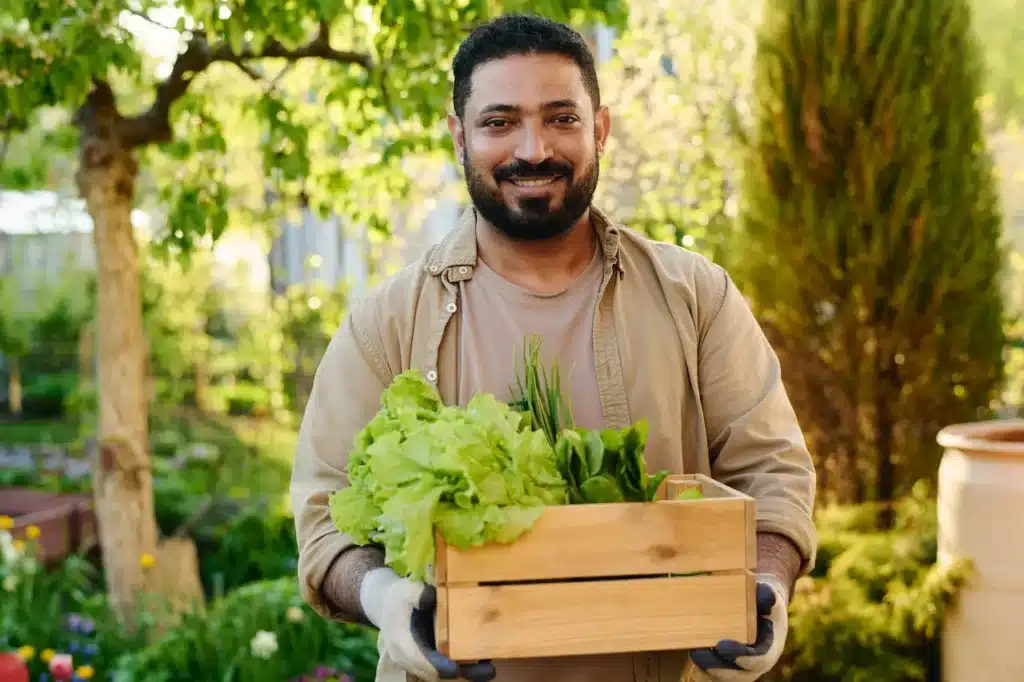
{"x": 477, "y": 474}
{"x": 606, "y": 466}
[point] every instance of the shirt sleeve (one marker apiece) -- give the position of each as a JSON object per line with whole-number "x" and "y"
{"x": 754, "y": 438}
{"x": 345, "y": 396}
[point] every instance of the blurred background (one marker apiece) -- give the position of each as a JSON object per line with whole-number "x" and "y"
{"x": 192, "y": 193}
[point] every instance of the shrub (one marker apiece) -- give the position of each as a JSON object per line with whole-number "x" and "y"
{"x": 870, "y": 231}
{"x": 873, "y": 607}
{"x": 260, "y": 632}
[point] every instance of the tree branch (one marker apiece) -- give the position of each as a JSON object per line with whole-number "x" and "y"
{"x": 154, "y": 124}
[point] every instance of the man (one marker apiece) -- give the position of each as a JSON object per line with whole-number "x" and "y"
{"x": 648, "y": 329}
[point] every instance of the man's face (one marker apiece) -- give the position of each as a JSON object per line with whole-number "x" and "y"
{"x": 529, "y": 140}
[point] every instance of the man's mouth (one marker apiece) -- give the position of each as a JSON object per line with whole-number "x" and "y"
{"x": 534, "y": 182}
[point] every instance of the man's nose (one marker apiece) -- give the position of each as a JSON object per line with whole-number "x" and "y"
{"x": 532, "y": 147}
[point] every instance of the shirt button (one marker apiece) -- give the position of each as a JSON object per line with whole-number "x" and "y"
{"x": 451, "y": 307}
{"x": 431, "y": 376}
{"x": 463, "y": 269}
{"x": 433, "y": 268}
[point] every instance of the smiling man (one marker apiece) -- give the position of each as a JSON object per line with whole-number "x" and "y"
{"x": 646, "y": 329}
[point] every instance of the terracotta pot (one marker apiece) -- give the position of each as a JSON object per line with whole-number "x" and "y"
{"x": 980, "y": 508}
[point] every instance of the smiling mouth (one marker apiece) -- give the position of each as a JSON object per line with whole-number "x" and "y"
{"x": 534, "y": 182}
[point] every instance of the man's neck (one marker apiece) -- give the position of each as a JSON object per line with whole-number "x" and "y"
{"x": 543, "y": 266}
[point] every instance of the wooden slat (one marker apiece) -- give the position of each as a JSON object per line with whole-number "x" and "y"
{"x": 441, "y": 636}
{"x": 622, "y": 539}
{"x": 609, "y": 616}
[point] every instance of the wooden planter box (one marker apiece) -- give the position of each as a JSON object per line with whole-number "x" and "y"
{"x": 66, "y": 522}
{"x": 606, "y": 578}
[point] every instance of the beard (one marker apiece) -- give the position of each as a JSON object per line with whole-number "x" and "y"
{"x": 532, "y": 219}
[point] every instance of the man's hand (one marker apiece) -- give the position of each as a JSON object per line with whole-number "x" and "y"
{"x": 731, "y": 661}
{"x": 404, "y": 611}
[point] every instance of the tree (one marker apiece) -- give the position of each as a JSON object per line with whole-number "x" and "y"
{"x": 15, "y": 333}
{"x": 870, "y": 240}
{"x": 676, "y": 88}
{"x": 381, "y": 73}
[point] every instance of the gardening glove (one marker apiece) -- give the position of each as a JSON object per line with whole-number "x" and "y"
{"x": 403, "y": 611}
{"x": 731, "y": 661}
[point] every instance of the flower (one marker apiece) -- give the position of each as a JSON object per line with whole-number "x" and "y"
{"x": 85, "y": 672}
{"x": 147, "y": 560}
{"x": 6, "y": 523}
{"x": 294, "y": 614}
{"x": 47, "y": 655}
{"x": 26, "y": 653}
{"x": 62, "y": 666}
{"x": 263, "y": 644}
{"x": 10, "y": 583}
{"x": 32, "y": 532}
{"x": 19, "y": 546}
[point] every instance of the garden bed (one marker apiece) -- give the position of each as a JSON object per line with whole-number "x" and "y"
{"x": 66, "y": 523}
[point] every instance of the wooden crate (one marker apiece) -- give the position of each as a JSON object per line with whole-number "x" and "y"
{"x": 605, "y": 578}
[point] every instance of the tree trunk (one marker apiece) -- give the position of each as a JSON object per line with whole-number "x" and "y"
{"x": 122, "y": 480}
{"x": 14, "y": 386}
{"x": 884, "y": 440}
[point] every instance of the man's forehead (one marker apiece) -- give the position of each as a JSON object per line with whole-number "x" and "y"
{"x": 527, "y": 82}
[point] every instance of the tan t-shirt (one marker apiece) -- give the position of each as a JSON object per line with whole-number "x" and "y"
{"x": 497, "y": 317}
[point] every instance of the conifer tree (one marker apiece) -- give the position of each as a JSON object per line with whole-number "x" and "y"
{"x": 870, "y": 231}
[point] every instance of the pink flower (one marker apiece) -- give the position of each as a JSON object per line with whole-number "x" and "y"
{"x": 62, "y": 667}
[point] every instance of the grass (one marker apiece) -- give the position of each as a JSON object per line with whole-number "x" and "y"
{"x": 37, "y": 432}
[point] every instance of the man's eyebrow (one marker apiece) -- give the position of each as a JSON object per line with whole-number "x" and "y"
{"x": 512, "y": 109}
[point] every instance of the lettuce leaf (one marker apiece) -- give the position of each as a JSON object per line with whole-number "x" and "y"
{"x": 476, "y": 474}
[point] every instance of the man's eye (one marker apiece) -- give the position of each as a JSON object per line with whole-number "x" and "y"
{"x": 567, "y": 119}
{"x": 495, "y": 123}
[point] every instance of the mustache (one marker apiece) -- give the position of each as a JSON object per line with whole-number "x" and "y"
{"x": 524, "y": 169}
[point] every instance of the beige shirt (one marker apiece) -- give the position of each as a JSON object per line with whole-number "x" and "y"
{"x": 497, "y": 317}
{"x": 674, "y": 341}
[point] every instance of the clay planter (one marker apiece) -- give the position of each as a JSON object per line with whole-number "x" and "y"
{"x": 980, "y": 508}
{"x": 66, "y": 522}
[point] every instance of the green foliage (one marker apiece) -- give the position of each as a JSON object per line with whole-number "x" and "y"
{"x": 50, "y": 53}
{"x": 62, "y": 609}
{"x": 870, "y": 230}
{"x": 873, "y": 608}
{"x": 231, "y": 641}
{"x": 675, "y": 88}
{"x": 333, "y": 95}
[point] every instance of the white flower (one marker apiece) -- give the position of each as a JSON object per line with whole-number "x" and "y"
{"x": 7, "y": 550}
{"x": 264, "y": 644}
{"x": 294, "y": 614}
{"x": 10, "y": 583}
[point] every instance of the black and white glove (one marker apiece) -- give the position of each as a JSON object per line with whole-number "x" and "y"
{"x": 731, "y": 661}
{"x": 403, "y": 611}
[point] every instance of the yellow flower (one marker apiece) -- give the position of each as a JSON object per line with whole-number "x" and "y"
{"x": 47, "y": 654}
{"x": 6, "y": 523}
{"x": 19, "y": 546}
{"x": 32, "y": 532}
{"x": 84, "y": 671}
{"x": 26, "y": 653}
{"x": 147, "y": 560}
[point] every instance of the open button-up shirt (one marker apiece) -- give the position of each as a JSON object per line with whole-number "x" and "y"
{"x": 674, "y": 341}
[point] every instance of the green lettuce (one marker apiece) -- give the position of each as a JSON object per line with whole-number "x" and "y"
{"x": 476, "y": 474}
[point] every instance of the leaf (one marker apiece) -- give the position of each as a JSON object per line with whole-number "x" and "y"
{"x": 600, "y": 489}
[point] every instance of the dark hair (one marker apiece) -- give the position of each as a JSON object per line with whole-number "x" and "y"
{"x": 517, "y": 34}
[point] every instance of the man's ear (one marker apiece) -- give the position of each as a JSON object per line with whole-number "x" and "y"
{"x": 602, "y": 127}
{"x": 458, "y": 136}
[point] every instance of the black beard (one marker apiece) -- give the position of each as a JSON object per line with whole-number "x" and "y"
{"x": 533, "y": 221}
